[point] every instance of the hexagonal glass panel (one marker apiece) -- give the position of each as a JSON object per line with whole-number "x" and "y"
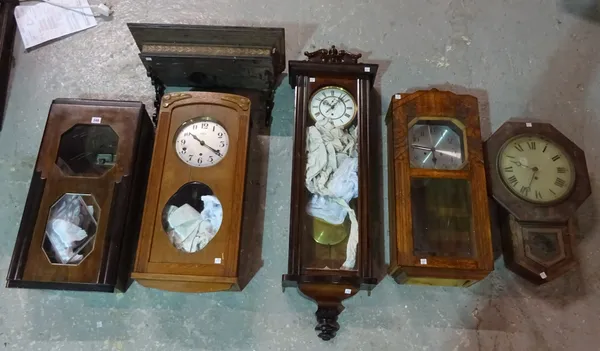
{"x": 545, "y": 247}
{"x": 437, "y": 143}
{"x": 192, "y": 217}
{"x": 71, "y": 229}
{"x": 87, "y": 150}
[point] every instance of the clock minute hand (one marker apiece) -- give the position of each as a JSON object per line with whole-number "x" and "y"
{"x": 420, "y": 147}
{"x": 216, "y": 152}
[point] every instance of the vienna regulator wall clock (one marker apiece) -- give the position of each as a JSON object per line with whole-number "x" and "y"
{"x": 334, "y": 238}
{"x": 83, "y": 211}
{"x": 438, "y": 207}
{"x": 214, "y": 92}
{"x": 539, "y": 177}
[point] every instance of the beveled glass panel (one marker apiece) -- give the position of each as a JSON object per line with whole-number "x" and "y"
{"x": 328, "y": 214}
{"x": 71, "y": 229}
{"x": 87, "y": 150}
{"x": 441, "y": 217}
{"x": 192, "y": 217}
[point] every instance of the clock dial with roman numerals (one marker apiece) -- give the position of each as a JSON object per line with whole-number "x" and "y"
{"x": 333, "y": 104}
{"x": 536, "y": 169}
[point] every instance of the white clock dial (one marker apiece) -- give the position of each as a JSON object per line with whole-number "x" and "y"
{"x": 536, "y": 169}
{"x": 333, "y": 104}
{"x": 201, "y": 142}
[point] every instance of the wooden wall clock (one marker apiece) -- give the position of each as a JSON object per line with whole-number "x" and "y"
{"x": 439, "y": 220}
{"x": 191, "y": 230}
{"x": 334, "y": 237}
{"x": 8, "y": 27}
{"x": 83, "y": 209}
{"x": 539, "y": 177}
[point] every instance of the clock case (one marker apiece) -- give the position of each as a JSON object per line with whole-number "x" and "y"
{"x": 522, "y": 221}
{"x": 407, "y": 264}
{"x": 246, "y": 61}
{"x": 329, "y": 288}
{"x": 8, "y": 28}
{"x": 158, "y": 263}
{"x": 119, "y": 195}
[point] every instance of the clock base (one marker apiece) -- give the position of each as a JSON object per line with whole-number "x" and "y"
{"x": 437, "y": 276}
{"x": 194, "y": 285}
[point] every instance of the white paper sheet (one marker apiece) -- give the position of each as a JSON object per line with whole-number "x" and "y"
{"x": 42, "y": 22}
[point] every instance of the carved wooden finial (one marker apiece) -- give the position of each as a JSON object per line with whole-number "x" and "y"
{"x": 332, "y": 55}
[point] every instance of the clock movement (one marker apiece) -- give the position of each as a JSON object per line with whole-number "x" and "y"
{"x": 83, "y": 210}
{"x": 334, "y": 227}
{"x": 191, "y": 230}
{"x": 439, "y": 220}
{"x": 540, "y": 178}
{"x": 8, "y": 27}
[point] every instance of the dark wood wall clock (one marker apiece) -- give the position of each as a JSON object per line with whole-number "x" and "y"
{"x": 191, "y": 231}
{"x": 539, "y": 177}
{"x": 439, "y": 220}
{"x": 246, "y": 61}
{"x": 83, "y": 210}
{"x": 334, "y": 208}
{"x": 8, "y": 28}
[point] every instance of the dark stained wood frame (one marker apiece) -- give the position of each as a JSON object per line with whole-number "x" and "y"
{"x": 405, "y": 266}
{"x": 158, "y": 263}
{"x": 530, "y": 216}
{"x": 523, "y": 210}
{"x": 514, "y": 245}
{"x": 119, "y": 194}
{"x": 329, "y": 289}
{"x": 8, "y": 28}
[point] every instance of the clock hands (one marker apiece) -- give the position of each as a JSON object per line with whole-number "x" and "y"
{"x": 519, "y": 164}
{"x": 216, "y": 152}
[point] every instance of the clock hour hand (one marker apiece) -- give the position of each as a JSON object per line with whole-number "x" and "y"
{"x": 421, "y": 147}
{"x": 521, "y": 165}
{"x": 216, "y": 152}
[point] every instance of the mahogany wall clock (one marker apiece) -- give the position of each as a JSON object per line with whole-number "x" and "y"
{"x": 439, "y": 220}
{"x": 540, "y": 178}
{"x": 8, "y": 27}
{"x": 334, "y": 236}
{"x": 83, "y": 210}
{"x": 191, "y": 230}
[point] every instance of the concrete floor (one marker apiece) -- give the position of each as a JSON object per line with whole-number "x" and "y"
{"x": 520, "y": 57}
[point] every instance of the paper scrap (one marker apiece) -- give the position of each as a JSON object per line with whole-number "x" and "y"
{"x": 43, "y": 22}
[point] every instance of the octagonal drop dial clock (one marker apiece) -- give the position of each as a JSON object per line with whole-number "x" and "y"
{"x": 539, "y": 178}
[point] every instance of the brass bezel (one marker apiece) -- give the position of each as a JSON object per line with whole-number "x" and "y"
{"x": 195, "y": 120}
{"x": 337, "y": 88}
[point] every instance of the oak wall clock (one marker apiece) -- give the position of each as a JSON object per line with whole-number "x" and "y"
{"x": 439, "y": 220}
{"x": 83, "y": 209}
{"x": 334, "y": 236}
{"x": 540, "y": 178}
{"x": 191, "y": 230}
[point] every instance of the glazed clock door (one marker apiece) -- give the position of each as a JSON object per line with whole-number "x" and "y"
{"x": 193, "y": 215}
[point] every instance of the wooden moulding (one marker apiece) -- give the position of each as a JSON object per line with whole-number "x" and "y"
{"x": 8, "y": 27}
{"x": 119, "y": 194}
{"x": 158, "y": 263}
{"x": 246, "y": 61}
{"x": 329, "y": 287}
{"x": 405, "y": 265}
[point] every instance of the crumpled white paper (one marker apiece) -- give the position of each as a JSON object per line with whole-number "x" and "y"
{"x": 332, "y": 176}
{"x": 191, "y": 231}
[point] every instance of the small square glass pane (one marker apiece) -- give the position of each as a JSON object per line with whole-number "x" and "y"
{"x": 441, "y": 217}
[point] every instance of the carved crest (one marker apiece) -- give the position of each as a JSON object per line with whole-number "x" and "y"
{"x": 332, "y": 55}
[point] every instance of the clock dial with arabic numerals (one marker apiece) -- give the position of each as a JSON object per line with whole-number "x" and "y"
{"x": 201, "y": 142}
{"x": 536, "y": 169}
